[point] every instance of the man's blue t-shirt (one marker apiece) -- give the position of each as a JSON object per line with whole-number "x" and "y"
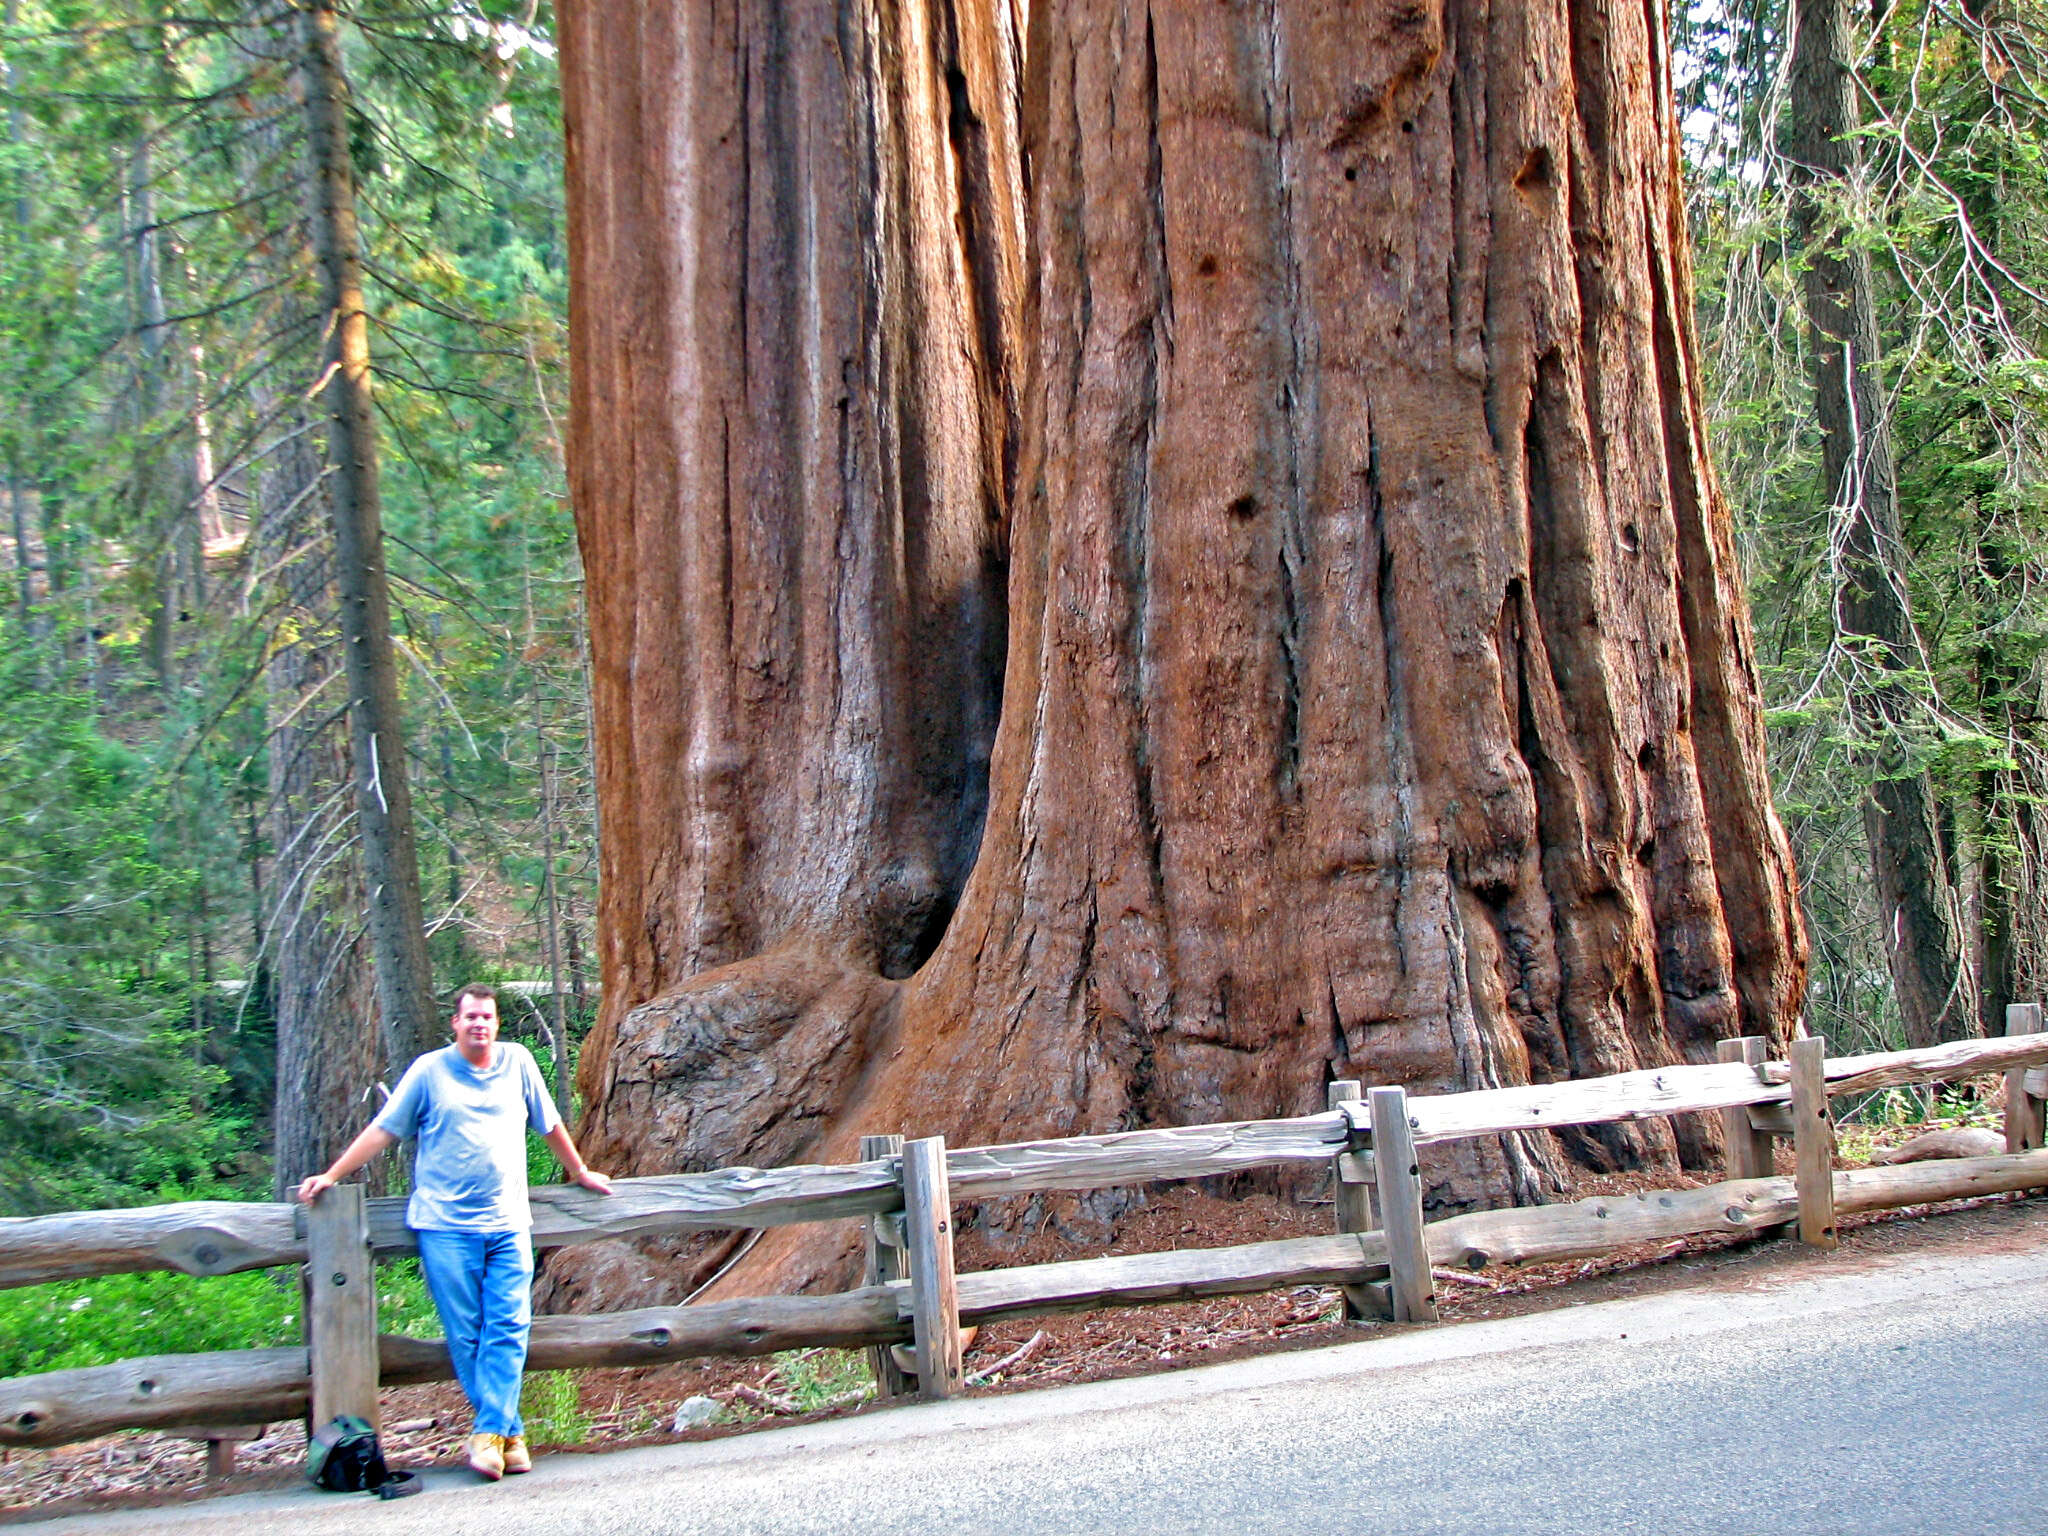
{"x": 470, "y": 1175}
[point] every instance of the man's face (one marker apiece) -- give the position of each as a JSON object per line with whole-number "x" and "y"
{"x": 476, "y": 1024}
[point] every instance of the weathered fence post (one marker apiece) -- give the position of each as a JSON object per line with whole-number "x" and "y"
{"x": 2025, "y": 1119}
{"x": 934, "y": 1300}
{"x": 885, "y": 1262}
{"x": 1813, "y": 1141}
{"x": 1399, "y": 1177}
{"x": 1352, "y": 1170}
{"x": 341, "y": 1292}
{"x": 1749, "y": 1145}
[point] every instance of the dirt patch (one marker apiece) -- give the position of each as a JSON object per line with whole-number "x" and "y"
{"x": 612, "y": 1409}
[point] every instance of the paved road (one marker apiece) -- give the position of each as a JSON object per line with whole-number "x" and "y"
{"x": 1901, "y": 1396}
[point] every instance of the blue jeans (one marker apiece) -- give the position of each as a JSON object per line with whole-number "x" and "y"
{"x": 482, "y": 1285}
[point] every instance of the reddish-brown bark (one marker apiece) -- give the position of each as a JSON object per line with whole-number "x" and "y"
{"x": 791, "y": 424}
{"x": 1378, "y": 697}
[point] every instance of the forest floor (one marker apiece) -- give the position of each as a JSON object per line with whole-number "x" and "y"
{"x": 603, "y": 1410}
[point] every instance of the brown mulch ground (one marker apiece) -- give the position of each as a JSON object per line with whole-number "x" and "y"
{"x": 621, "y": 1407}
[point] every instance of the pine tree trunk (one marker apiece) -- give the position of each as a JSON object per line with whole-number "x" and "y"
{"x": 156, "y": 508}
{"x": 328, "y": 1048}
{"x": 2008, "y": 853}
{"x": 1915, "y": 886}
{"x": 27, "y": 442}
{"x": 1378, "y": 698}
{"x": 24, "y": 558}
{"x": 377, "y": 744}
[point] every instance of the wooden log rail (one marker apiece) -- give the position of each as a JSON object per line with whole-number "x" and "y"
{"x": 63, "y": 1406}
{"x": 223, "y": 1237}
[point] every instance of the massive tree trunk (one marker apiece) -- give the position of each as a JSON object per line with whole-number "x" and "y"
{"x": 1378, "y": 698}
{"x": 1916, "y": 896}
{"x": 797, "y": 257}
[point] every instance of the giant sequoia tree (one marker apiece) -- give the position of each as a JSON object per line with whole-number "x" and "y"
{"x": 1140, "y": 568}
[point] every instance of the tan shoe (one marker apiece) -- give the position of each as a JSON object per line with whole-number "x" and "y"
{"x": 487, "y": 1456}
{"x": 517, "y": 1457}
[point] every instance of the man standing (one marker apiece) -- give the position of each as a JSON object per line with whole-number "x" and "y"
{"x": 470, "y": 1104}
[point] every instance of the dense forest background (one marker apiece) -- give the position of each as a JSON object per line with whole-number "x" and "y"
{"x": 184, "y": 876}
{"x": 183, "y": 940}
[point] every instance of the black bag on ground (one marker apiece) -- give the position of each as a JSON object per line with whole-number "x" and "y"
{"x": 344, "y": 1456}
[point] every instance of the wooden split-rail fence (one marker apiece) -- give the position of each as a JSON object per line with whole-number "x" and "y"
{"x": 1382, "y": 1253}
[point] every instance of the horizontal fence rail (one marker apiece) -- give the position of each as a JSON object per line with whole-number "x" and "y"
{"x": 1678, "y": 1090}
{"x": 219, "y": 1237}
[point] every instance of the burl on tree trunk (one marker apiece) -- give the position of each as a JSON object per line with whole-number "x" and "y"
{"x": 1269, "y": 437}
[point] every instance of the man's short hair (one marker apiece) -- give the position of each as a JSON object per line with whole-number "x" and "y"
{"x": 481, "y": 991}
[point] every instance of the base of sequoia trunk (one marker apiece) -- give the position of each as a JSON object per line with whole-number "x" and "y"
{"x": 790, "y": 1057}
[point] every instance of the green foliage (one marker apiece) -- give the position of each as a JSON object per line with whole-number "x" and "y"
{"x": 95, "y": 1322}
{"x": 1888, "y": 1116}
{"x": 116, "y": 1317}
{"x": 102, "y": 1089}
{"x": 403, "y": 1305}
{"x": 1951, "y": 210}
{"x": 155, "y": 160}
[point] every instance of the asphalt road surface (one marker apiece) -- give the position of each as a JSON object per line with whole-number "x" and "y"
{"x": 1890, "y": 1397}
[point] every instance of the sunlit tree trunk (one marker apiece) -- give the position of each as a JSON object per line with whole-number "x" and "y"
{"x": 155, "y": 483}
{"x": 377, "y": 745}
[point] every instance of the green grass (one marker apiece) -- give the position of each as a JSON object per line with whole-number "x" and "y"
{"x": 813, "y": 1378}
{"x": 115, "y": 1317}
{"x": 552, "y": 1407}
{"x": 118, "y": 1317}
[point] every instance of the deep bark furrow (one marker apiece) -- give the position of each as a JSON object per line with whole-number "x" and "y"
{"x": 1300, "y": 405}
{"x": 1140, "y": 472}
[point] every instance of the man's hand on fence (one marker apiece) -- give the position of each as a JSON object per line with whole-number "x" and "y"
{"x": 311, "y": 1185}
{"x": 563, "y": 1145}
{"x": 374, "y": 1139}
